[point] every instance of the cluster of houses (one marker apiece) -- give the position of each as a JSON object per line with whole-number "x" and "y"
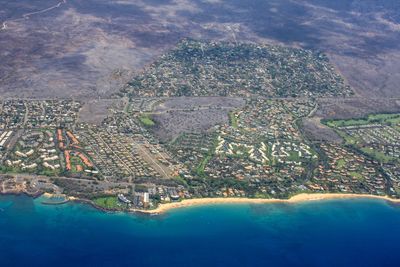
{"x": 261, "y": 146}
{"x": 300, "y": 107}
{"x": 192, "y": 148}
{"x": 381, "y": 141}
{"x": 37, "y": 113}
{"x": 264, "y": 134}
{"x": 230, "y": 192}
{"x": 113, "y": 154}
{"x": 392, "y": 171}
{"x": 122, "y": 123}
{"x": 287, "y": 152}
{"x": 347, "y": 171}
{"x": 74, "y": 156}
{"x": 269, "y": 119}
{"x": 376, "y": 137}
{"x": 261, "y": 152}
{"x": 374, "y": 133}
{"x": 51, "y": 113}
{"x": 35, "y": 149}
{"x": 197, "y": 68}
{"x": 236, "y": 168}
{"x": 4, "y": 138}
{"x": 12, "y": 114}
{"x": 146, "y": 104}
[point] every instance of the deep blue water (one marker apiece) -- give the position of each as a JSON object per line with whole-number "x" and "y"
{"x": 326, "y": 233}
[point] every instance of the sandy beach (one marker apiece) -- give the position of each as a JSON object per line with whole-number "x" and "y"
{"x": 162, "y": 208}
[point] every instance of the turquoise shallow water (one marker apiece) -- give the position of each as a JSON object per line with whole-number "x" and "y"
{"x": 325, "y": 233}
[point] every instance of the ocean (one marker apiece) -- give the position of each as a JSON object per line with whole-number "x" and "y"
{"x": 324, "y": 233}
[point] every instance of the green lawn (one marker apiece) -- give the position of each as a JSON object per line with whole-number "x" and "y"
{"x": 356, "y": 175}
{"x": 49, "y": 172}
{"x": 10, "y": 170}
{"x": 379, "y": 156}
{"x": 374, "y": 118}
{"x": 340, "y": 163}
{"x": 108, "y": 202}
{"x": 233, "y": 120}
{"x": 146, "y": 120}
{"x": 203, "y": 164}
{"x": 392, "y": 120}
{"x": 200, "y": 168}
{"x": 294, "y": 156}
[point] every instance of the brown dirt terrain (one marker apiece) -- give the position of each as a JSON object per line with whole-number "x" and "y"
{"x": 341, "y": 108}
{"x": 355, "y": 107}
{"x": 192, "y": 114}
{"x": 316, "y": 131}
{"x": 95, "y": 111}
{"x": 72, "y": 48}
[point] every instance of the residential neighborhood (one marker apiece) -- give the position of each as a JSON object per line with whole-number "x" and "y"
{"x": 207, "y": 119}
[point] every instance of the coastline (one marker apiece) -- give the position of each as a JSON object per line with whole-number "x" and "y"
{"x": 187, "y": 203}
{"x": 304, "y": 197}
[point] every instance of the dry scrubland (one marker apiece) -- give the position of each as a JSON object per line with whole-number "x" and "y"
{"x": 91, "y": 48}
